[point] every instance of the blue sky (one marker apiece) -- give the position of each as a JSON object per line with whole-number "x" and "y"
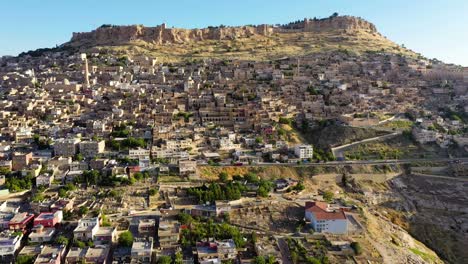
{"x": 437, "y": 29}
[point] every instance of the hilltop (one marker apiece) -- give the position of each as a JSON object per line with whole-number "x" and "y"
{"x": 259, "y": 42}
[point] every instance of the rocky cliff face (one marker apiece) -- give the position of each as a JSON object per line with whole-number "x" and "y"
{"x": 160, "y": 35}
{"x": 347, "y": 23}
{"x": 115, "y": 35}
{"x": 439, "y": 217}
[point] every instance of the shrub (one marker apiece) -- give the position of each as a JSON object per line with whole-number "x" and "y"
{"x": 164, "y": 260}
{"x": 357, "y": 248}
{"x": 25, "y": 259}
{"x": 83, "y": 210}
{"x": 223, "y": 176}
{"x": 152, "y": 192}
{"x": 286, "y": 121}
{"x": 328, "y": 196}
{"x": 61, "y": 240}
{"x": 126, "y": 239}
{"x": 78, "y": 243}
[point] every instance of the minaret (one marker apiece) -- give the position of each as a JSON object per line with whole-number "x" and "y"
{"x": 86, "y": 73}
{"x": 86, "y": 69}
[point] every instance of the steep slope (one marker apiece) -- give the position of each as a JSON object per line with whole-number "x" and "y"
{"x": 344, "y": 33}
{"x": 385, "y": 240}
{"x": 435, "y": 213}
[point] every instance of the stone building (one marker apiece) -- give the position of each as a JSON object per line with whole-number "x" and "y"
{"x": 90, "y": 149}
{"x": 66, "y": 147}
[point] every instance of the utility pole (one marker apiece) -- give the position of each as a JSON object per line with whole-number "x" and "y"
{"x": 298, "y": 67}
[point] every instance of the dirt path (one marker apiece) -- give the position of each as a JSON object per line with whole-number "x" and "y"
{"x": 388, "y": 257}
{"x": 440, "y": 177}
{"x": 285, "y": 254}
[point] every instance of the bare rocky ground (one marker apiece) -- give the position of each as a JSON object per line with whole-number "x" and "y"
{"x": 396, "y": 211}
{"x": 386, "y": 234}
{"x": 434, "y": 210}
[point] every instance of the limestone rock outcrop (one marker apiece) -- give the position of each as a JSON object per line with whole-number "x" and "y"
{"x": 160, "y": 34}
{"x": 116, "y": 35}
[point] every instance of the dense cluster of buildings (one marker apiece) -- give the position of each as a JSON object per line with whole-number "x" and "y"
{"x": 185, "y": 110}
{"x": 104, "y": 106}
{"x": 65, "y": 115}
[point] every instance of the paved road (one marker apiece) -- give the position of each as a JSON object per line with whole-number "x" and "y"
{"x": 348, "y": 162}
{"x": 338, "y": 152}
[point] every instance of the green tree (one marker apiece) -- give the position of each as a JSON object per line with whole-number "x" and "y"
{"x": 83, "y": 210}
{"x": 37, "y": 197}
{"x": 264, "y": 188}
{"x": 4, "y": 171}
{"x": 79, "y": 157}
{"x": 344, "y": 179}
{"x": 178, "y": 259}
{"x": 92, "y": 177}
{"x": 152, "y": 192}
{"x": 223, "y": 176}
{"x": 251, "y": 177}
{"x": 328, "y": 196}
{"x": 259, "y": 260}
{"x": 62, "y": 193}
{"x": 61, "y": 240}
{"x": 126, "y": 239}
{"x": 356, "y": 247}
{"x": 270, "y": 260}
{"x": 16, "y": 184}
{"x": 78, "y": 243}
{"x": 24, "y": 259}
{"x": 312, "y": 90}
{"x": 164, "y": 259}
{"x": 184, "y": 218}
{"x": 258, "y": 140}
{"x": 286, "y": 121}
{"x": 299, "y": 187}
{"x": 105, "y": 220}
{"x": 254, "y": 237}
{"x": 262, "y": 192}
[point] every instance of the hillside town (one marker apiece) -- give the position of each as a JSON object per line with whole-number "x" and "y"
{"x": 90, "y": 145}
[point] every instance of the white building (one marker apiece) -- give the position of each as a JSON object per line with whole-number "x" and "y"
{"x": 86, "y": 229}
{"x": 324, "y": 219}
{"x": 41, "y": 234}
{"x": 179, "y": 144}
{"x": 226, "y": 143}
{"x": 9, "y": 243}
{"x": 138, "y": 153}
{"x": 44, "y": 179}
{"x": 304, "y": 151}
{"x": 188, "y": 84}
{"x": 142, "y": 250}
{"x": 168, "y": 153}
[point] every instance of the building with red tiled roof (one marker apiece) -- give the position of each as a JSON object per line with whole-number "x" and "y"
{"x": 325, "y": 219}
